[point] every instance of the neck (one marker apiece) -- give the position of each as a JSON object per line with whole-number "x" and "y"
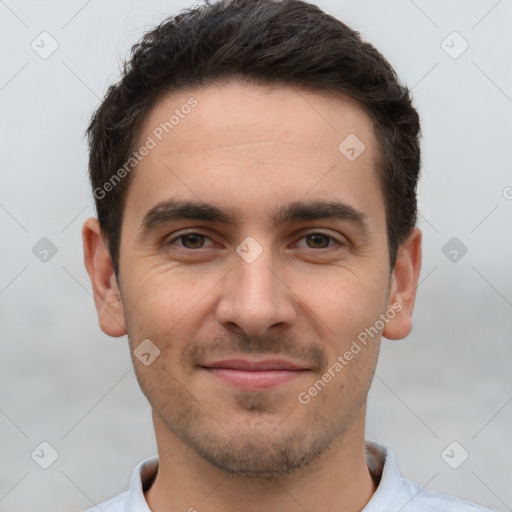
{"x": 339, "y": 479}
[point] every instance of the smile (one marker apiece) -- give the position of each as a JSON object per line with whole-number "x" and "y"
{"x": 248, "y": 374}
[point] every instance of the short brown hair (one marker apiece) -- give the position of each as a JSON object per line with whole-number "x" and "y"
{"x": 289, "y": 42}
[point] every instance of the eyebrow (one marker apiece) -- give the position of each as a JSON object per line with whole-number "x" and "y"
{"x": 178, "y": 209}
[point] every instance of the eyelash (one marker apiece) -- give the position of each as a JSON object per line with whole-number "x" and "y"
{"x": 338, "y": 243}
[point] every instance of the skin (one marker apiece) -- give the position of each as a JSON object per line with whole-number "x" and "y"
{"x": 253, "y": 149}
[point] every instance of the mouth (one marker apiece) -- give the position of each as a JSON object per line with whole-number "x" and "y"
{"x": 254, "y": 374}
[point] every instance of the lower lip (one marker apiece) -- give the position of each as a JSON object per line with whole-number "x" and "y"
{"x": 255, "y": 380}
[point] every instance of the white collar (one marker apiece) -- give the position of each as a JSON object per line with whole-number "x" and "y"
{"x": 393, "y": 493}
{"x": 381, "y": 463}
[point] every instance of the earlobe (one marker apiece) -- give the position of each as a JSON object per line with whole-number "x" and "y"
{"x": 403, "y": 287}
{"x": 106, "y": 292}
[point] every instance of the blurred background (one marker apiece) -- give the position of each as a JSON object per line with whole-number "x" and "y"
{"x": 441, "y": 399}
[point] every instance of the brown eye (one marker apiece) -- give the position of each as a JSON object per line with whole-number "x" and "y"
{"x": 189, "y": 241}
{"x": 192, "y": 241}
{"x": 318, "y": 241}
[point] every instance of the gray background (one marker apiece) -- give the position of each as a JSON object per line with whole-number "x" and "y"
{"x": 65, "y": 382}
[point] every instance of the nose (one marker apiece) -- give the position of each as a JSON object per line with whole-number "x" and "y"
{"x": 256, "y": 297}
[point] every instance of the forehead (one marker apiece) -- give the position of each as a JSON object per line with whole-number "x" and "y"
{"x": 245, "y": 113}
{"x": 251, "y": 146}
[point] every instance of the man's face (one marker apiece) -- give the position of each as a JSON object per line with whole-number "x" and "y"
{"x": 289, "y": 292}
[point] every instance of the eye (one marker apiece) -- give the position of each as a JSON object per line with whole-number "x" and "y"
{"x": 321, "y": 241}
{"x": 194, "y": 240}
{"x": 191, "y": 240}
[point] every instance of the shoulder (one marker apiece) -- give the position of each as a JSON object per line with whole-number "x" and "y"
{"x": 397, "y": 494}
{"x": 115, "y": 504}
{"x": 426, "y": 500}
{"x": 133, "y": 499}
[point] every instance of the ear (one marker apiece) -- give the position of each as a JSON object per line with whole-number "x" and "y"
{"x": 404, "y": 283}
{"x": 98, "y": 263}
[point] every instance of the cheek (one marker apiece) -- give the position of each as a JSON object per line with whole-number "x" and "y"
{"x": 160, "y": 297}
{"x": 167, "y": 309}
{"x": 345, "y": 302}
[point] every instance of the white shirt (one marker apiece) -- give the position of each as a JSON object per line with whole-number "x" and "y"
{"x": 393, "y": 494}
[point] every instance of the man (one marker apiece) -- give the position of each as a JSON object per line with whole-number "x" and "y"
{"x": 255, "y": 175}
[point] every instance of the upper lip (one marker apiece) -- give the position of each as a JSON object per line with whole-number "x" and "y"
{"x": 254, "y": 366}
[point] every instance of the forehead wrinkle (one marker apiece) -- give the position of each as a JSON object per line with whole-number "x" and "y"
{"x": 311, "y": 149}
